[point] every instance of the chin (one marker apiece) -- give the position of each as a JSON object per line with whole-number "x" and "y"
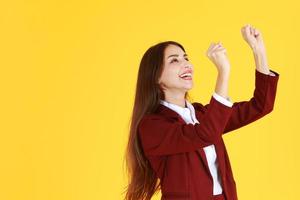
{"x": 188, "y": 88}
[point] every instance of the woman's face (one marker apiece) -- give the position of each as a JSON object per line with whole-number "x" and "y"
{"x": 176, "y": 63}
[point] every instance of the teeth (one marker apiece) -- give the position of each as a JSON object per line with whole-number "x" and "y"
{"x": 186, "y": 74}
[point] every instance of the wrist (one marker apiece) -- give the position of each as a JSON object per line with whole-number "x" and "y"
{"x": 223, "y": 73}
{"x": 261, "y": 61}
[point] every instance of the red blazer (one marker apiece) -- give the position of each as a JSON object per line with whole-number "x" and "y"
{"x": 175, "y": 149}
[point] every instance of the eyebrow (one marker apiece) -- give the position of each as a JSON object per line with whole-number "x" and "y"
{"x": 176, "y": 55}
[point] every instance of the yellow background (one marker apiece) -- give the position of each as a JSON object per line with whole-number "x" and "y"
{"x": 67, "y": 85}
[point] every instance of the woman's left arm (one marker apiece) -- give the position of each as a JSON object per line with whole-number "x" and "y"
{"x": 262, "y": 102}
{"x": 263, "y": 99}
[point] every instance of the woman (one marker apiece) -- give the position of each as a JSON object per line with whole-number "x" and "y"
{"x": 176, "y": 146}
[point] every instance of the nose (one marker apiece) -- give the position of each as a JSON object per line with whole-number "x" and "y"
{"x": 188, "y": 66}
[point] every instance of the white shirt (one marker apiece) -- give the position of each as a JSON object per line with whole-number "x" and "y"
{"x": 188, "y": 114}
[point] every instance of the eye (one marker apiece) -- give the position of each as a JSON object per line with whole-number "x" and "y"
{"x": 177, "y": 60}
{"x": 173, "y": 60}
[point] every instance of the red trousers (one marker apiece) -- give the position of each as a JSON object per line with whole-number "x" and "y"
{"x": 219, "y": 197}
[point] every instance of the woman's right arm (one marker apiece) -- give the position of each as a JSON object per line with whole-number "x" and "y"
{"x": 217, "y": 54}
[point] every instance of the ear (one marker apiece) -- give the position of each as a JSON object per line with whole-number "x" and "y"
{"x": 159, "y": 80}
{"x": 162, "y": 86}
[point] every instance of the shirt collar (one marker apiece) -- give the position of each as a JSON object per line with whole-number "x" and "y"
{"x": 180, "y": 110}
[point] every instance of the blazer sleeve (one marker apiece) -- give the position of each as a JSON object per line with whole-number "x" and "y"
{"x": 259, "y": 105}
{"x": 163, "y": 135}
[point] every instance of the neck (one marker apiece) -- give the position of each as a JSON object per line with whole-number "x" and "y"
{"x": 175, "y": 98}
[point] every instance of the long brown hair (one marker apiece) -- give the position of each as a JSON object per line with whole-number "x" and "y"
{"x": 142, "y": 180}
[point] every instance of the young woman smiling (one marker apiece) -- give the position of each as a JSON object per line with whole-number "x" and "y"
{"x": 176, "y": 146}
